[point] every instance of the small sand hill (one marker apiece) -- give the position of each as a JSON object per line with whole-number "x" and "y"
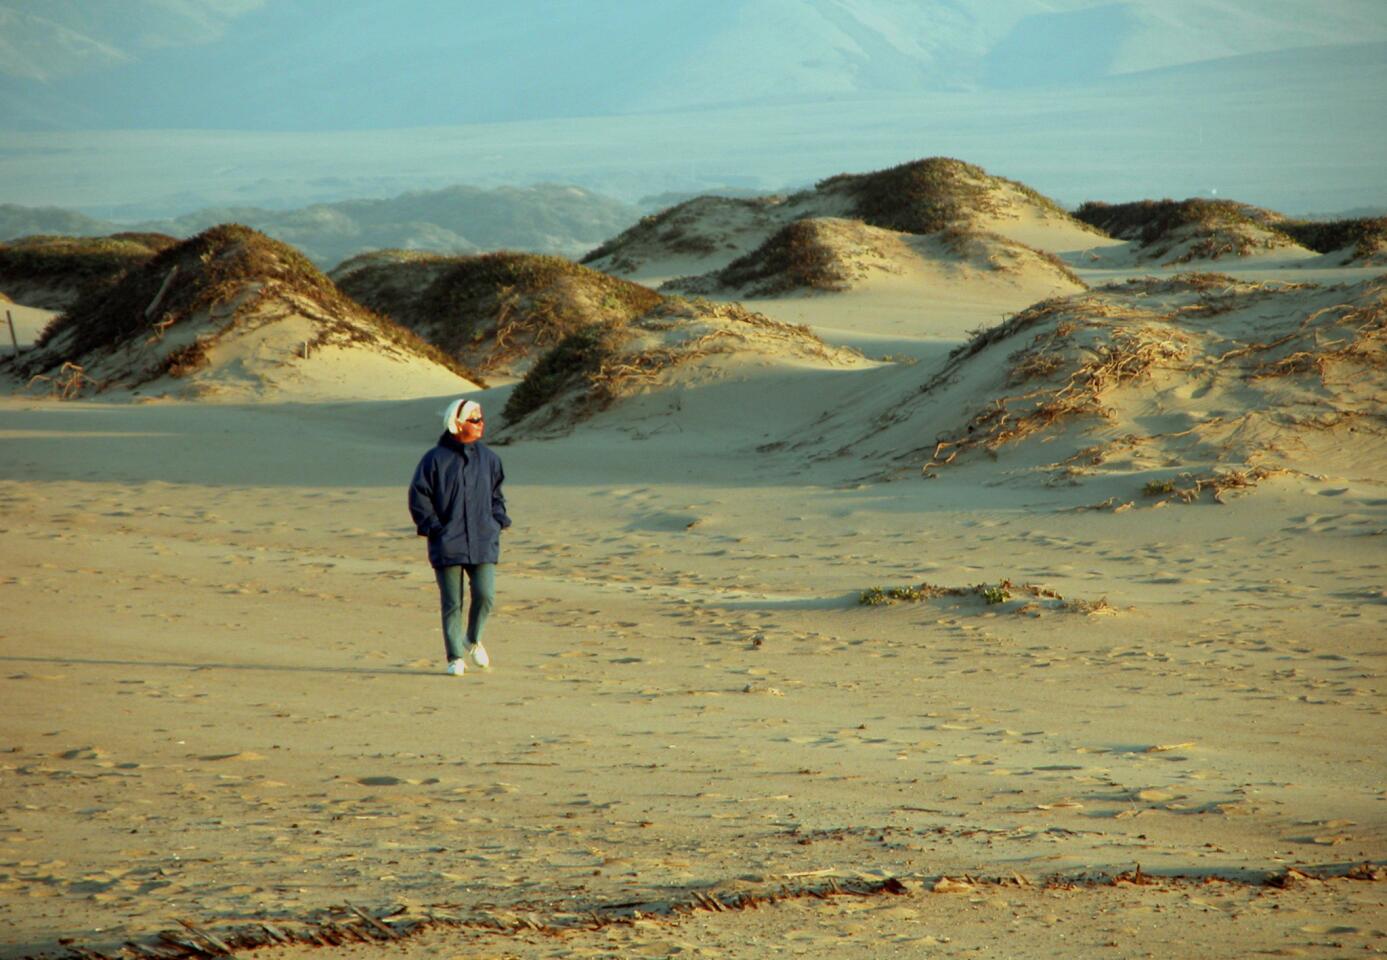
{"x": 699, "y": 236}
{"x": 706, "y": 235}
{"x": 680, "y": 343}
{"x": 495, "y": 311}
{"x": 940, "y": 193}
{"x": 232, "y": 313}
{"x": 818, "y": 253}
{"x": 373, "y": 259}
{"x": 1343, "y": 243}
{"x": 1171, "y": 232}
{"x": 835, "y": 255}
{"x": 1195, "y": 383}
{"x": 53, "y": 271}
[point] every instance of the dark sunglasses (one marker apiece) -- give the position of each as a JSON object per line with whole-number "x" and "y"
{"x": 475, "y": 420}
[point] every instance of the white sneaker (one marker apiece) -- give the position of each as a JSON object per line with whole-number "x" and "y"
{"x": 456, "y": 668}
{"x": 477, "y": 654}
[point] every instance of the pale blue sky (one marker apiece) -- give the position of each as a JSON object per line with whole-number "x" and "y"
{"x": 165, "y": 103}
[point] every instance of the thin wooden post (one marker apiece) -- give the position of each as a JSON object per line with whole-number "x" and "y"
{"x": 13, "y": 339}
{"x": 163, "y": 289}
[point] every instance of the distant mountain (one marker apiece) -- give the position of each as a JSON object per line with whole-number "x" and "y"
{"x": 21, "y": 221}
{"x": 541, "y": 219}
{"x": 359, "y": 64}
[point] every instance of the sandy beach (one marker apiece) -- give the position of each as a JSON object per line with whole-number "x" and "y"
{"x": 225, "y": 704}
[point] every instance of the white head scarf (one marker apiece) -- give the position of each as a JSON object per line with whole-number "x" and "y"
{"x": 457, "y": 411}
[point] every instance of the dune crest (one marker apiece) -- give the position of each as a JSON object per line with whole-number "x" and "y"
{"x": 707, "y": 234}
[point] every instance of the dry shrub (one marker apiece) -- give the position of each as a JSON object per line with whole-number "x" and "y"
{"x": 69, "y": 381}
{"x": 925, "y": 196}
{"x": 1213, "y": 228}
{"x": 1189, "y": 488}
{"x": 1341, "y": 334}
{"x": 493, "y": 309}
{"x": 798, "y": 255}
{"x": 1153, "y": 221}
{"x": 1364, "y": 237}
{"x": 1117, "y": 351}
{"x": 1039, "y": 597}
{"x": 1086, "y": 347}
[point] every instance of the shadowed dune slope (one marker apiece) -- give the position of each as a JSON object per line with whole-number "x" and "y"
{"x": 679, "y": 344}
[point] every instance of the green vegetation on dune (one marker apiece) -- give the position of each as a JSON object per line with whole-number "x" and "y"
{"x": 76, "y": 261}
{"x": 1364, "y": 236}
{"x": 796, "y": 256}
{"x": 577, "y": 357}
{"x": 1151, "y": 222}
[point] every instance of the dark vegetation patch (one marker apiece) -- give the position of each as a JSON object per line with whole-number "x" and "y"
{"x": 576, "y": 359}
{"x": 79, "y": 263}
{"x": 216, "y": 279}
{"x": 797, "y": 256}
{"x": 1215, "y": 222}
{"x": 1365, "y": 236}
{"x": 925, "y": 196}
{"x": 1151, "y": 221}
{"x": 599, "y": 363}
{"x": 493, "y": 309}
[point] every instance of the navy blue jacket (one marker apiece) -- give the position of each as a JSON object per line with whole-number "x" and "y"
{"x": 455, "y": 500}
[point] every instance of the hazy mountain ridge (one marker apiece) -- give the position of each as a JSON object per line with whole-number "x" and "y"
{"x": 288, "y": 66}
{"x": 543, "y": 219}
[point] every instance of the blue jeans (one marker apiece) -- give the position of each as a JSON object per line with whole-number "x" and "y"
{"x": 482, "y": 580}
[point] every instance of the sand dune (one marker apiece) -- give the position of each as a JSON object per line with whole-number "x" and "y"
{"x": 834, "y": 255}
{"x": 493, "y": 312}
{"x": 232, "y": 313}
{"x": 1199, "y": 382}
{"x": 923, "y": 197}
{"x": 678, "y": 347}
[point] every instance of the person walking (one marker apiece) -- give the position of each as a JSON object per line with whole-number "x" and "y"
{"x": 456, "y": 501}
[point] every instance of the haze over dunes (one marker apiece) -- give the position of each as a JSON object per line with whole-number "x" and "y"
{"x": 458, "y": 219}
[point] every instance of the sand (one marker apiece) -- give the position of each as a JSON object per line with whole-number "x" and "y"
{"x": 224, "y": 697}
